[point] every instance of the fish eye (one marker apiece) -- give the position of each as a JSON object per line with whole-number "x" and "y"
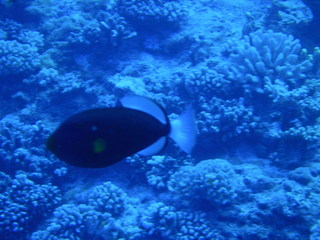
{"x": 99, "y": 145}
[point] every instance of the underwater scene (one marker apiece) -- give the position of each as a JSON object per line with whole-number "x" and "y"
{"x": 160, "y": 119}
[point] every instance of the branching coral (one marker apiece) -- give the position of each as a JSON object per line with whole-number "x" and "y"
{"x": 151, "y": 12}
{"x": 166, "y": 222}
{"x": 107, "y": 198}
{"x": 17, "y": 137}
{"x": 265, "y": 59}
{"x": 227, "y": 118}
{"x": 76, "y": 222}
{"x": 18, "y": 58}
{"x": 157, "y": 169}
{"x": 24, "y": 203}
{"x": 212, "y": 180}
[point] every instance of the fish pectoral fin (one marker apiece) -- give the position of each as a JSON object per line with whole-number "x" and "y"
{"x": 154, "y": 147}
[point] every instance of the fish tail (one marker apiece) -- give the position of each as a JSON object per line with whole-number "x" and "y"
{"x": 183, "y": 130}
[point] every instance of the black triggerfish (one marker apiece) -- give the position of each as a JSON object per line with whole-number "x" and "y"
{"x": 100, "y": 137}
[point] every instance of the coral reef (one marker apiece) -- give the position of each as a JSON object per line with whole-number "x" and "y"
{"x": 166, "y": 222}
{"x": 152, "y": 13}
{"x": 288, "y": 16}
{"x": 157, "y": 169}
{"x": 107, "y": 198}
{"x": 18, "y": 58}
{"x": 249, "y": 69}
{"x": 17, "y": 153}
{"x": 212, "y": 180}
{"x": 73, "y": 222}
{"x": 265, "y": 60}
{"x": 24, "y": 203}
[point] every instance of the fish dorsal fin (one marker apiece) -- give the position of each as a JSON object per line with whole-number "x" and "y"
{"x": 154, "y": 147}
{"x": 146, "y": 105}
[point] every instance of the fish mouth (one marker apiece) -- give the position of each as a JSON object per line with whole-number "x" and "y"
{"x": 51, "y": 143}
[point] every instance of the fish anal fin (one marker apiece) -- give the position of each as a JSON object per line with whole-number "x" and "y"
{"x": 154, "y": 148}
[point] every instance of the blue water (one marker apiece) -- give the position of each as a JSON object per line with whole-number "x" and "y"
{"x": 251, "y": 71}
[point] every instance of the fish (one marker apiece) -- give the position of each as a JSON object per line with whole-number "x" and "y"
{"x": 101, "y": 137}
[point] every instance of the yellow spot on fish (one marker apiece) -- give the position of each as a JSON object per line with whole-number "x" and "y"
{"x": 99, "y": 145}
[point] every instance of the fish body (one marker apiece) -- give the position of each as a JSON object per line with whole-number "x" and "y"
{"x": 91, "y": 137}
{"x": 98, "y": 138}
